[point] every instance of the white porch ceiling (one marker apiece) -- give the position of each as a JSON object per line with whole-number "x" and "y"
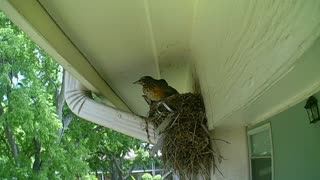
{"x": 239, "y": 49}
{"x": 125, "y": 40}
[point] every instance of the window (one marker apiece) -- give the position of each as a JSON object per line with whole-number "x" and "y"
{"x": 260, "y": 153}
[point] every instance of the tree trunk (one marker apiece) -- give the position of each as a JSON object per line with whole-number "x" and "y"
{"x": 37, "y": 155}
{"x": 8, "y": 131}
{"x": 60, "y": 98}
{"x": 116, "y": 171}
{"x": 12, "y": 143}
{"x": 65, "y": 124}
{"x": 129, "y": 172}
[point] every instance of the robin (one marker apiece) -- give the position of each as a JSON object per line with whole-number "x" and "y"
{"x": 155, "y": 90}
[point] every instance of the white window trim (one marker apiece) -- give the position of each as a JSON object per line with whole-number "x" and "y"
{"x": 256, "y": 130}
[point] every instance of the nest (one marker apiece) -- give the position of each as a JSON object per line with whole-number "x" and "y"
{"x": 180, "y": 121}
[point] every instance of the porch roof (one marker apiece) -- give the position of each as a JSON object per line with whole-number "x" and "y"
{"x": 253, "y": 59}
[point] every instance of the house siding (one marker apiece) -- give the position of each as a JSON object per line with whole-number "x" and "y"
{"x": 296, "y": 145}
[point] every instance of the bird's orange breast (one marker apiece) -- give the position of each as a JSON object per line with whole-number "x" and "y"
{"x": 154, "y": 93}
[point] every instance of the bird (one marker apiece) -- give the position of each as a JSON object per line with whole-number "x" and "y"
{"x": 155, "y": 90}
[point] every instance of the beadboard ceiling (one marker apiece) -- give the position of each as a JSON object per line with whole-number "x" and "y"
{"x": 238, "y": 50}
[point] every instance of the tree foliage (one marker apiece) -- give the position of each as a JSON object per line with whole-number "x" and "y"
{"x": 39, "y": 135}
{"x": 29, "y": 125}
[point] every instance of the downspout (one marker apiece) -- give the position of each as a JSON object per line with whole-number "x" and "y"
{"x": 85, "y": 107}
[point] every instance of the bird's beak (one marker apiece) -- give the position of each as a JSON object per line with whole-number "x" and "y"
{"x": 137, "y": 82}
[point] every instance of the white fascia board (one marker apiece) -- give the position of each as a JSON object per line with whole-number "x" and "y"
{"x": 33, "y": 19}
{"x": 107, "y": 116}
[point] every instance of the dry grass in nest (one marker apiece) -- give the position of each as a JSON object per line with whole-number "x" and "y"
{"x": 181, "y": 123}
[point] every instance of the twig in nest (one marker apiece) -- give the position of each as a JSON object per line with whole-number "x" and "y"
{"x": 219, "y": 171}
{"x": 221, "y": 140}
{"x": 186, "y": 145}
{"x": 165, "y": 105}
{"x": 147, "y": 130}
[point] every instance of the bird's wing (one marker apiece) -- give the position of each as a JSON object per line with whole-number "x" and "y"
{"x": 162, "y": 82}
{"x": 170, "y": 91}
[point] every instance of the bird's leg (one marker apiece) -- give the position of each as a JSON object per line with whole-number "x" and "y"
{"x": 147, "y": 99}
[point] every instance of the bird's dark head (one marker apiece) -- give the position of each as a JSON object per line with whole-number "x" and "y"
{"x": 145, "y": 80}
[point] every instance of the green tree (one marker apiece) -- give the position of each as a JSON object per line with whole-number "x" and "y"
{"x": 117, "y": 154}
{"x": 157, "y": 177}
{"x": 29, "y": 125}
{"x": 147, "y": 176}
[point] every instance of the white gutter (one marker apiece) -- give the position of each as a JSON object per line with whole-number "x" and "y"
{"x": 83, "y": 106}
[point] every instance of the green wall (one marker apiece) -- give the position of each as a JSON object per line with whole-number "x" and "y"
{"x": 296, "y": 145}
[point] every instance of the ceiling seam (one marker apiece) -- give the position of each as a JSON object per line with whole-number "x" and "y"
{"x": 151, "y": 34}
{"x": 194, "y": 14}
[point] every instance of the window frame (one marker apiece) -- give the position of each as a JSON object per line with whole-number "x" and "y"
{"x": 254, "y": 131}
